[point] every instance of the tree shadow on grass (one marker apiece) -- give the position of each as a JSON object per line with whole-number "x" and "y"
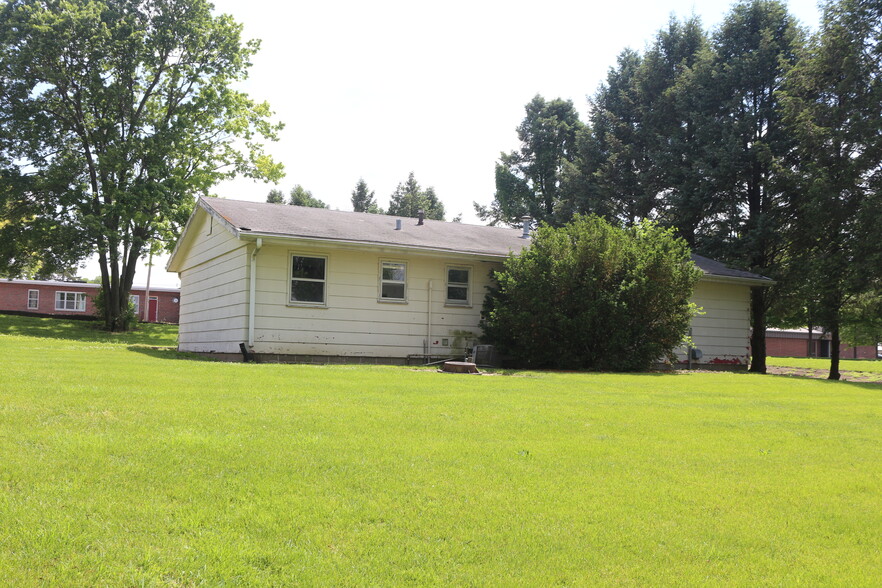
{"x": 168, "y": 353}
{"x": 90, "y": 331}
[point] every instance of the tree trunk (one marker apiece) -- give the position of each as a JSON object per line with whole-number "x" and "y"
{"x": 758, "y": 335}
{"x": 834, "y": 354}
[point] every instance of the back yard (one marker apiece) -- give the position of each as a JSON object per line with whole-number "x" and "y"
{"x": 123, "y": 464}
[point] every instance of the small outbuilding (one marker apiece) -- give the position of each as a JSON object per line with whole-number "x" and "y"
{"x": 290, "y": 283}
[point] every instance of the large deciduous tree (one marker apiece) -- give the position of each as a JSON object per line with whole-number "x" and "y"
{"x": 300, "y": 196}
{"x": 528, "y": 181}
{"x": 121, "y": 111}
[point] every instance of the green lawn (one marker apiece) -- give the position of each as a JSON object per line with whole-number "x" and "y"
{"x": 123, "y": 465}
{"x": 856, "y": 365}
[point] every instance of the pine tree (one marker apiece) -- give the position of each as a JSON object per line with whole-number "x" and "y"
{"x": 834, "y": 109}
{"x": 409, "y": 198}
{"x": 363, "y": 199}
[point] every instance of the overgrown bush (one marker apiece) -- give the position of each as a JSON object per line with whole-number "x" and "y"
{"x": 127, "y": 319}
{"x": 590, "y": 295}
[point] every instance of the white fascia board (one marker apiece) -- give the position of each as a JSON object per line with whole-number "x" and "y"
{"x": 276, "y": 239}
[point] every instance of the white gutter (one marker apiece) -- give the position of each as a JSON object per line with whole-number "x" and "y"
{"x": 252, "y": 303}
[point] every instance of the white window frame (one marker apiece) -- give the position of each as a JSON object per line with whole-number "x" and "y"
{"x": 468, "y": 286}
{"x": 62, "y": 298}
{"x": 33, "y": 301}
{"x": 392, "y": 262}
{"x": 291, "y": 278}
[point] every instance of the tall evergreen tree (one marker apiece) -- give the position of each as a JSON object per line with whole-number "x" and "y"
{"x": 834, "y": 108}
{"x": 528, "y": 181}
{"x": 754, "y": 49}
{"x": 363, "y": 199}
{"x": 409, "y": 198}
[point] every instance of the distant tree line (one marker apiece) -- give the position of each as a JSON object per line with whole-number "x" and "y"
{"x": 407, "y": 200}
{"x": 759, "y": 144}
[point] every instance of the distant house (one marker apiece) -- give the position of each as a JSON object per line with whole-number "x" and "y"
{"x": 291, "y": 283}
{"x": 795, "y": 343}
{"x": 51, "y": 298}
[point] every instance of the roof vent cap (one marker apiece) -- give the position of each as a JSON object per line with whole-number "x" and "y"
{"x": 397, "y": 224}
{"x": 527, "y": 221}
{"x": 421, "y": 215}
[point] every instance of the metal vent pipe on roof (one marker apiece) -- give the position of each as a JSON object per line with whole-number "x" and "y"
{"x": 421, "y": 215}
{"x": 397, "y": 224}
{"x": 527, "y": 221}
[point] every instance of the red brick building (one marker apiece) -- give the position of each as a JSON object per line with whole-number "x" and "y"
{"x": 795, "y": 343}
{"x": 48, "y": 298}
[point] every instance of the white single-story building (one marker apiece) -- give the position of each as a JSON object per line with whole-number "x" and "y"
{"x": 288, "y": 283}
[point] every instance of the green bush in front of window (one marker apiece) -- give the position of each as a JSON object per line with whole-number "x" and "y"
{"x": 590, "y": 295}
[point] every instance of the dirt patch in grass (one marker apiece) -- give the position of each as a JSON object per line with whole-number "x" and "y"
{"x": 846, "y": 375}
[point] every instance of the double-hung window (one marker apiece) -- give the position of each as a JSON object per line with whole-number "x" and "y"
{"x": 33, "y": 299}
{"x": 308, "y": 280}
{"x": 458, "y": 285}
{"x": 393, "y": 281}
{"x": 136, "y": 304}
{"x": 75, "y": 301}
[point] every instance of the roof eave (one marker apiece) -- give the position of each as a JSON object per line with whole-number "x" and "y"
{"x": 763, "y": 282}
{"x": 171, "y": 265}
{"x": 284, "y": 237}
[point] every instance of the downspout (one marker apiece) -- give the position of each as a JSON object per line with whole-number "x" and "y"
{"x": 429, "y": 323}
{"x": 252, "y": 303}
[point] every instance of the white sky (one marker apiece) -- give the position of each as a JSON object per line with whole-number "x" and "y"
{"x": 379, "y": 89}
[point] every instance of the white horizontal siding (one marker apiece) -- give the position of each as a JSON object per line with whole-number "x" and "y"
{"x": 355, "y": 322}
{"x": 722, "y": 331}
{"x": 213, "y": 291}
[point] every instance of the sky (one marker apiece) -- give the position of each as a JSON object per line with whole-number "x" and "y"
{"x": 379, "y": 89}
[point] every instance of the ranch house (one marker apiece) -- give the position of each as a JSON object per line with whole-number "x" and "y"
{"x": 289, "y": 283}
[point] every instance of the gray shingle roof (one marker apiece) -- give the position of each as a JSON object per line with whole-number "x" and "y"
{"x": 282, "y": 220}
{"x": 361, "y": 227}
{"x": 715, "y": 268}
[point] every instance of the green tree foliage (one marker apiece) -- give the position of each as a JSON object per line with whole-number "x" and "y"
{"x": 529, "y": 181}
{"x": 834, "y": 109}
{"x": 275, "y": 196}
{"x": 590, "y": 295}
{"x": 409, "y": 198}
{"x": 363, "y": 199}
{"x": 38, "y": 240}
{"x": 302, "y": 197}
{"x": 753, "y": 51}
{"x": 123, "y": 112}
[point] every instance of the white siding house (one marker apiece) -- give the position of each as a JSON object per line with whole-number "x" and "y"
{"x": 306, "y": 284}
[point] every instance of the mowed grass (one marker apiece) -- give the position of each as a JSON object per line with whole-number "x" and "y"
{"x": 122, "y": 465}
{"x": 88, "y": 331}
{"x": 873, "y": 366}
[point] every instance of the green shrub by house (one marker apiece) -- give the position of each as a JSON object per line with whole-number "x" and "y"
{"x": 590, "y": 295}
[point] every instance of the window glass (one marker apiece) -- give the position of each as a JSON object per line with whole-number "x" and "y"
{"x": 458, "y": 285}
{"x": 70, "y": 301}
{"x": 308, "y": 279}
{"x": 312, "y": 268}
{"x": 393, "y": 281}
{"x": 136, "y": 303}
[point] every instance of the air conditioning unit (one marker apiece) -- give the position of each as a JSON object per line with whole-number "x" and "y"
{"x": 486, "y": 355}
